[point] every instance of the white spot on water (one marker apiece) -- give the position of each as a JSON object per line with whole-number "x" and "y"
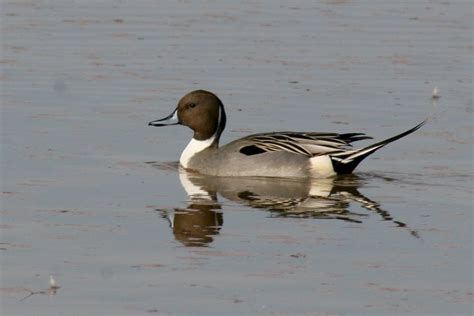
{"x": 435, "y": 93}
{"x": 52, "y": 283}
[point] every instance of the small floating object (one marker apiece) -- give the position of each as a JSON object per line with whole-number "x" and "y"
{"x": 435, "y": 94}
{"x": 52, "y": 283}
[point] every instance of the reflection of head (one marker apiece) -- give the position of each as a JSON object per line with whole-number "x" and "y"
{"x": 196, "y": 225}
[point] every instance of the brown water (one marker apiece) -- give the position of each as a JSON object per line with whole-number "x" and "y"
{"x": 90, "y": 197}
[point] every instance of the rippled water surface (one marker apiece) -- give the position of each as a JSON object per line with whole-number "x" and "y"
{"x": 94, "y": 197}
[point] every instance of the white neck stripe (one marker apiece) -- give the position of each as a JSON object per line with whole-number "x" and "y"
{"x": 193, "y": 148}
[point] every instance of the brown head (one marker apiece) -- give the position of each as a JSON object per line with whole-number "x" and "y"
{"x": 200, "y": 110}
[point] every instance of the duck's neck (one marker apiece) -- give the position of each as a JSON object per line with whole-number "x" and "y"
{"x": 195, "y": 146}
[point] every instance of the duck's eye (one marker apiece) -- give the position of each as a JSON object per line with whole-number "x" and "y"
{"x": 192, "y": 105}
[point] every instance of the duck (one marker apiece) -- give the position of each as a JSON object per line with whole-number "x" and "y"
{"x": 283, "y": 154}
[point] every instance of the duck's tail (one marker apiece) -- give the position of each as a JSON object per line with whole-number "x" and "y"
{"x": 346, "y": 162}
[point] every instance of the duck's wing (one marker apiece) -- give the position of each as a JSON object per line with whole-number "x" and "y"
{"x": 306, "y": 143}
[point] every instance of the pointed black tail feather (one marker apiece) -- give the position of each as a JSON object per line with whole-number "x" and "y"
{"x": 353, "y": 137}
{"x": 346, "y": 162}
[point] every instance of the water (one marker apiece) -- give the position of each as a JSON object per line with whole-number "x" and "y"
{"x": 93, "y": 196}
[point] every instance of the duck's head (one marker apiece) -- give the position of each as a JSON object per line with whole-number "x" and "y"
{"x": 201, "y": 111}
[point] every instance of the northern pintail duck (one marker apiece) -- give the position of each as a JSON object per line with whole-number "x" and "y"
{"x": 276, "y": 154}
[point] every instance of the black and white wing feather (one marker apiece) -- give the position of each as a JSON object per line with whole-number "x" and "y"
{"x": 309, "y": 144}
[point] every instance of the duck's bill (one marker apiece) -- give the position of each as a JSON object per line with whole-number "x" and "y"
{"x": 171, "y": 119}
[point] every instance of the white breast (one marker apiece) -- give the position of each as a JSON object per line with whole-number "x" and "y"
{"x": 193, "y": 148}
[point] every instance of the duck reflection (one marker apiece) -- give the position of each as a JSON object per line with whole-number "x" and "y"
{"x": 201, "y": 221}
{"x": 197, "y": 224}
